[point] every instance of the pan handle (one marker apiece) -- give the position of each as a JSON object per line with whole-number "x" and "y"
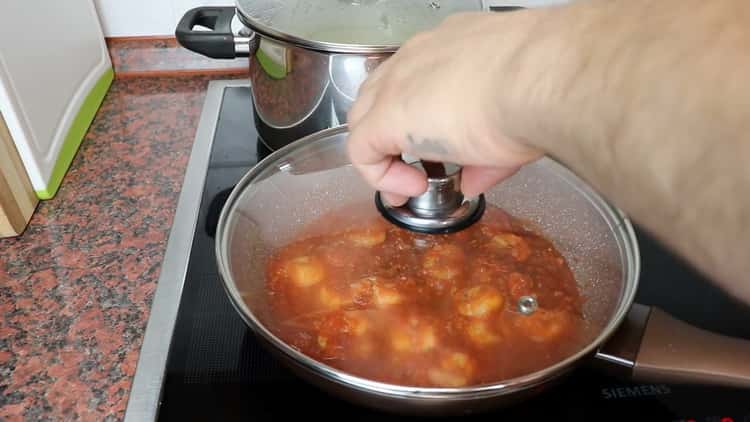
{"x": 653, "y": 346}
{"x": 218, "y": 42}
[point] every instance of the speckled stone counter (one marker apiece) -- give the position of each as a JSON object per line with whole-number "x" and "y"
{"x": 149, "y": 56}
{"x": 76, "y": 287}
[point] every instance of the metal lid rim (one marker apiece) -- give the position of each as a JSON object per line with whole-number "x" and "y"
{"x": 321, "y": 46}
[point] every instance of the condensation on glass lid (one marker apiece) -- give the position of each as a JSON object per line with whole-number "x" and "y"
{"x": 353, "y": 22}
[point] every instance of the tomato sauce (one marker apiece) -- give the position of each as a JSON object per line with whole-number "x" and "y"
{"x": 391, "y": 305}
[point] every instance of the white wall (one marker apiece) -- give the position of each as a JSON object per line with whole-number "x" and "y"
{"x": 127, "y": 18}
{"x": 146, "y": 17}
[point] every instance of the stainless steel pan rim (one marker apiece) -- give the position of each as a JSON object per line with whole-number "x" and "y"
{"x": 619, "y": 224}
{"x": 321, "y": 46}
{"x": 245, "y": 14}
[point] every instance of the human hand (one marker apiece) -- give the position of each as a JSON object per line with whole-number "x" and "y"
{"x": 440, "y": 98}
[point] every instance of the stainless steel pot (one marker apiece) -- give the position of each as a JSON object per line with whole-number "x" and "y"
{"x": 289, "y": 189}
{"x": 308, "y": 59}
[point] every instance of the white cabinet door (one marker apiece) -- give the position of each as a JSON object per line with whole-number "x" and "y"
{"x": 54, "y": 72}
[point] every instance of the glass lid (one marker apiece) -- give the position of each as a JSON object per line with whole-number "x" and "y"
{"x": 312, "y": 267}
{"x": 358, "y": 26}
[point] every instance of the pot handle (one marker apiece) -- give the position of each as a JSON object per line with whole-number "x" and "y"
{"x": 218, "y": 43}
{"x": 653, "y": 346}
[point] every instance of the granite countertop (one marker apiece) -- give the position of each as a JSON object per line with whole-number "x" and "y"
{"x": 76, "y": 287}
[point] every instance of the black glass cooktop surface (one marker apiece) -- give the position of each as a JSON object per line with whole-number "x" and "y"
{"x": 218, "y": 371}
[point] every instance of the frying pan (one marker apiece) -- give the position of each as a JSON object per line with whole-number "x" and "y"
{"x": 279, "y": 198}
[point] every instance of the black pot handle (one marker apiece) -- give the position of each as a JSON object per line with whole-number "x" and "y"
{"x": 219, "y": 42}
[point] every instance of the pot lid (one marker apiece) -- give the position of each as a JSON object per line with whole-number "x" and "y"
{"x": 441, "y": 209}
{"x": 348, "y": 26}
{"x": 309, "y": 188}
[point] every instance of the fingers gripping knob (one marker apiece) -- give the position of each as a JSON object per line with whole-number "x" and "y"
{"x": 442, "y": 208}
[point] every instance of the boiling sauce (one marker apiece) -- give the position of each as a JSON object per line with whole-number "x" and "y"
{"x": 396, "y": 306}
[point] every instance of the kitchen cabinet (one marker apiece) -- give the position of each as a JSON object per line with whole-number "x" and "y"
{"x": 52, "y": 81}
{"x": 17, "y": 197}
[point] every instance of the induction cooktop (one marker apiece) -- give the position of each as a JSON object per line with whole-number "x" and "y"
{"x": 199, "y": 362}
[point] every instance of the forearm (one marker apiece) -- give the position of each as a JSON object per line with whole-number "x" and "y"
{"x": 650, "y": 102}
